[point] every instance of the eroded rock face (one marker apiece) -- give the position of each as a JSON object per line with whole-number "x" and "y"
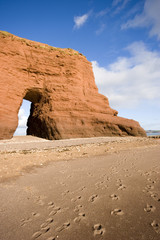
{"x": 61, "y": 86}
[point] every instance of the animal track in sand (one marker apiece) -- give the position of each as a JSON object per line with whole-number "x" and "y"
{"x": 81, "y": 188}
{"x": 65, "y": 192}
{"x": 128, "y": 175}
{"x": 117, "y": 211}
{"x": 76, "y": 199}
{"x": 155, "y": 196}
{"x": 80, "y": 217}
{"x": 147, "y": 174}
{"x": 114, "y": 197}
{"x": 114, "y": 171}
{"x": 98, "y": 229}
{"x": 151, "y": 180}
{"x": 150, "y": 187}
{"x": 101, "y": 185}
{"x": 39, "y": 200}
{"x": 47, "y": 222}
{"x": 121, "y": 187}
{"x": 50, "y": 205}
{"x": 25, "y": 221}
{"x": 63, "y": 183}
{"x": 43, "y": 228}
{"x": 41, "y": 232}
{"x": 149, "y": 208}
{"x": 51, "y": 238}
{"x": 36, "y": 235}
{"x": 63, "y": 227}
{"x": 55, "y": 210}
{"x": 93, "y": 198}
{"x": 156, "y": 226}
{"x": 69, "y": 176}
{"x": 119, "y": 181}
{"x": 35, "y": 214}
{"x": 90, "y": 174}
{"x": 77, "y": 208}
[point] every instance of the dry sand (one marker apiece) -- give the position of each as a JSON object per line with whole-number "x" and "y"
{"x": 105, "y": 188}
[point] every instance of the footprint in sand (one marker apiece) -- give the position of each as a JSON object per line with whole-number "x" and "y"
{"x": 101, "y": 185}
{"x": 149, "y": 208}
{"x": 25, "y": 221}
{"x": 128, "y": 175}
{"x": 41, "y": 232}
{"x": 51, "y": 238}
{"x": 55, "y": 210}
{"x": 36, "y": 235}
{"x": 121, "y": 187}
{"x": 47, "y": 222}
{"x": 63, "y": 227}
{"x": 156, "y": 226}
{"x": 98, "y": 229}
{"x": 77, "y": 208}
{"x": 151, "y": 180}
{"x": 34, "y": 214}
{"x": 147, "y": 174}
{"x": 63, "y": 184}
{"x": 65, "y": 192}
{"x": 69, "y": 176}
{"x": 90, "y": 174}
{"x": 40, "y": 201}
{"x": 44, "y": 228}
{"x": 119, "y": 180}
{"x": 81, "y": 188}
{"x": 80, "y": 218}
{"x": 155, "y": 196}
{"x": 76, "y": 199}
{"x": 114, "y": 197}
{"x": 149, "y": 187}
{"x": 50, "y": 205}
{"x": 117, "y": 211}
{"x": 93, "y": 198}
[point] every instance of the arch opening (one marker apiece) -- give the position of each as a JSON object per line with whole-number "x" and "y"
{"x": 33, "y": 95}
{"x": 23, "y": 116}
{"x": 37, "y": 122}
{"x": 30, "y": 99}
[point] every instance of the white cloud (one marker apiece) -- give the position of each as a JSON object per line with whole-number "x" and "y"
{"x": 130, "y": 80}
{"x": 101, "y": 29}
{"x": 103, "y": 12}
{"x": 150, "y": 17}
{"x": 81, "y": 20}
{"x": 22, "y": 118}
{"x": 121, "y": 6}
{"x": 22, "y": 122}
{"x": 20, "y": 132}
{"x": 116, "y": 2}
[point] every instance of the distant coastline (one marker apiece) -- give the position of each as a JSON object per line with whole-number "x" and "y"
{"x": 153, "y": 132}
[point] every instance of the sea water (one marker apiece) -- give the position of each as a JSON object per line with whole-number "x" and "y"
{"x": 153, "y": 133}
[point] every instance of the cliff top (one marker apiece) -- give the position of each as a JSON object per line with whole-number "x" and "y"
{"x": 69, "y": 51}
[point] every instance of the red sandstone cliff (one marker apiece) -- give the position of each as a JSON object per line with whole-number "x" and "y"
{"x": 61, "y": 86}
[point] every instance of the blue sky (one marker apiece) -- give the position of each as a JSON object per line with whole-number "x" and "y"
{"x": 120, "y": 37}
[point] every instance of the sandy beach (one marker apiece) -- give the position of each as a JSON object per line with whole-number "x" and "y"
{"x": 102, "y": 188}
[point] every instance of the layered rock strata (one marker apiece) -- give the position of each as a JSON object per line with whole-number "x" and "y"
{"x": 61, "y": 86}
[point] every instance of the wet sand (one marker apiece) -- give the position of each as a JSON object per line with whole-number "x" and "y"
{"x": 90, "y": 191}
